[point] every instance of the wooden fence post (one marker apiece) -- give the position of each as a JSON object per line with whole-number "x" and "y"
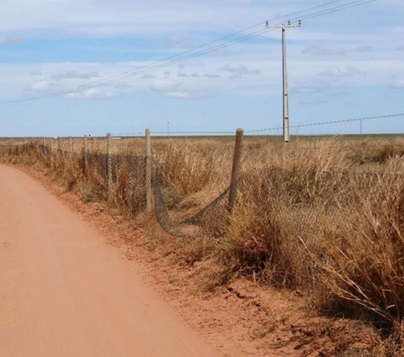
{"x": 59, "y": 146}
{"x": 109, "y": 163}
{"x": 85, "y": 150}
{"x": 148, "y": 173}
{"x": 70, "y": 146}
{"x": 235, "y": 175}
{"x": 51, "y": 152}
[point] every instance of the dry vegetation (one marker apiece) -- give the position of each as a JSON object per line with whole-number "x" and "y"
{"x": 324, "y": 217}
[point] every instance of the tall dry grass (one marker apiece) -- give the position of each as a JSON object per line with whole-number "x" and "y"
{"x": 325, "y": 216}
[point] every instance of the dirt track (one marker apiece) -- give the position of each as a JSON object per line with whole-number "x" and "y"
{"x": 64, "y": 292}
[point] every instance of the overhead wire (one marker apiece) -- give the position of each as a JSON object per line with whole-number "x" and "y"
{"x": 271, "y": 129}
{"x": 328, "y": 122}
{"x": 186, "y": 55}
{"x": 134, "y": 72}
{"x": 336, "y": 9}
{"x": 217, "y": 40}
{"x": 144, "y": 70}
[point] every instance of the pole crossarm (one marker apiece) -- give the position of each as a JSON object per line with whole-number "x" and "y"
{"x": 289, "y": 25}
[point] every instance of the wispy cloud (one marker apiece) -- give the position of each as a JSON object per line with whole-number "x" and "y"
{"x": 240, "y": 69}
{"x": 175, "y": 89}
{"x": 91, "y": 93}
{"x": 211, "y": 76}
{"x": 75, "y": 75}
{"x": 147, "y": 76}
{"x": 340, "y": 71}
{"x": 324, "y": 51}
{"x": 398, "y": 84}
{"x": 363, "y": 48}
{"x": 4, "y": 40}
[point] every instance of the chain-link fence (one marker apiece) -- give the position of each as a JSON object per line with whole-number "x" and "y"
{"x": 299, "y": 226}
{"x": 302, "y": 200}
{"x": 128, "y": 179}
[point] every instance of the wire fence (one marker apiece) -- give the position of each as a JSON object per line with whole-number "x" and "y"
{"x": 349, "y": 218}
{"x": 301, "y": 192}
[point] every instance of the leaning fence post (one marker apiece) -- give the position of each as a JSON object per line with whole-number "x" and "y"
{"x": 59, "y": 144}
{"x": 51, "y": 152}
{"x": 109, "y": 163}
{"x": 235, "y": 175}
{"x": 70, "y": 146}
{"x": 148, "y": 173}
{"x": 85, "y": 150}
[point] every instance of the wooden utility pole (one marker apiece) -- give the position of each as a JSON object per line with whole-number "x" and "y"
{"x": 286, "y": 132}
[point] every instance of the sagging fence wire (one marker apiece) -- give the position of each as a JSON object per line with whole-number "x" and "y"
{"x": 130, "y": 172}
{"x": 309, "y": 195}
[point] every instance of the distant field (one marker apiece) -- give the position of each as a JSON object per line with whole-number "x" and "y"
{"x": 269, "y": 138}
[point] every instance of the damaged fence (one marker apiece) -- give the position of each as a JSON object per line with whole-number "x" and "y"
{"x": 134, "y": 180}
{"x": 300, "y": 199}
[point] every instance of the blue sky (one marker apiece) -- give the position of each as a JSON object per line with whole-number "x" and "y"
{"x": 342, "y": 65}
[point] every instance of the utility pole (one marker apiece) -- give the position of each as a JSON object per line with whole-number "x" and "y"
{"x": 286, "y": 132}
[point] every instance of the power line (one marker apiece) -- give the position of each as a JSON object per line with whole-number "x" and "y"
{"x": 309, "y": 9}
{"x": 269, "y": 129}
{"x": 336, "y": 9}
{"x": 328, "y": 122}
{"x": 182, "y": 57}
{"x": 152, "y": 65}
{"x": 156, "y": 64}
{"x": 144, "y": 70}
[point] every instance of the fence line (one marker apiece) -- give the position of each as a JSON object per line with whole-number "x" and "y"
{"x": 145, "y": 191}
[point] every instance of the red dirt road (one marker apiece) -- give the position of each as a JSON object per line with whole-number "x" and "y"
{"x": 64, "y": 292}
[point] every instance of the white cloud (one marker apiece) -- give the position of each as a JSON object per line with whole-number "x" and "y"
{"x": 147, "y": 76}
{"x": 190, "y": 94}
{"x": 122, "y": 85}
{"x": 324, "y": 51}
{"x": 212, "y": 76}
{"x": 75, "y": 75}
{"x": 363, "y": 48}
{"x": 106, "y": 18}
{"x": 91, "y": 93}
{"x": 340, "y": 71}
{"x": 6, "y": 40}
{"x": 175, "y": 89}
{"x": 43, "y": 86}
{"x": 164, "y": 85}
{"x": 398, "y": 84}
{"x": 239, "y": 69}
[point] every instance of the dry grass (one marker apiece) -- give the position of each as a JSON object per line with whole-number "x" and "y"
{"x": 324, "y": 216}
